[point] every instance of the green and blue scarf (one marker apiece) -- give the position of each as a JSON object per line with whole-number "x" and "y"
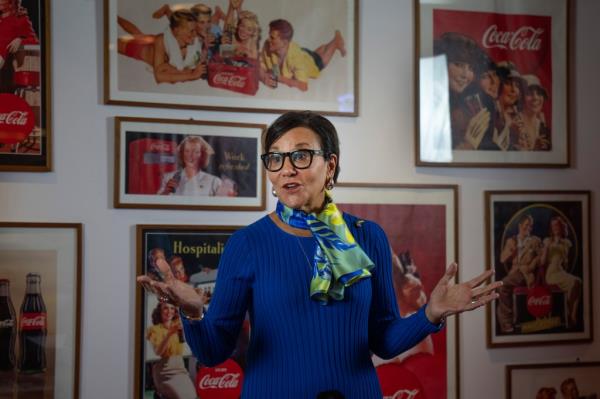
{"x": 339, "y": 261}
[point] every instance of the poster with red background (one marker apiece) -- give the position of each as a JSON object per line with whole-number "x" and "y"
{"x": 420, "y": 229}
{"x": 524, "y": 40}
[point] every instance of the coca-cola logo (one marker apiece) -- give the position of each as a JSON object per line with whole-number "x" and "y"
{"x": 524, "y": 38}
{"x": 229, "y": 380}
{"x": 220, "y": 382}
{"x": 161, "y": 147}
{"x": 230, "y": 79}
{"x": 398, "y": 382}
{"x": 8, "y": 323}
{"x": 33, "y": 321}
{"x": 539, "y": 301}
{"x": 404, "y": 394}
{"x": 16, "y": 119}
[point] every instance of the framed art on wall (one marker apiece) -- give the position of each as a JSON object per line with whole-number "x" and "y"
{"x": 493, "y": 83}
{"x": 252, "y": 56}
{"x": 25, "y": 111}
{"x": 40, "y": 301}
{"x": 420, "y": 222}
{"x": 164, "y": 364}
{"x": 176, "y": 164}
{"x": 572, "y": 380}
{"x": 539, "y": 244}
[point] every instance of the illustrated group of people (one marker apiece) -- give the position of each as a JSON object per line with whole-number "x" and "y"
{"x": 200, "y": 34}
{"x": 532, "y": 261}
{"x": 493, "y": 106}
{"x": 568, "y": 390}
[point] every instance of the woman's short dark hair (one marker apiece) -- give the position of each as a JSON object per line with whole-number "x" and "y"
{"x": 460, "y": 48}
{"x": 322, "y": 127}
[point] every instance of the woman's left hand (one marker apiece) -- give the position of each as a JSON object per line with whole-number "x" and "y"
{"x": 448, "y": 298}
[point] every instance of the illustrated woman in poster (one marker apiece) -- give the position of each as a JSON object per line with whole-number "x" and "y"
{"x": 469, "y": 120}
{"x": 535, "y": 135}
{"x": 555, "y": 256}
{"x": 174, "y": 54}
{"x": 194, "y": 155}
{"x": 169, "y": 374}
{"x": 15, "y": 29}
{"x": 246, "y": 39}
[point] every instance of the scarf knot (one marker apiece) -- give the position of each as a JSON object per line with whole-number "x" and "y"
{"x": 338, "y": 261}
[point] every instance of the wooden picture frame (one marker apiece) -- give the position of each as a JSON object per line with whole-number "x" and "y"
{"x": 25, "y": 89}
{"x": 44, "y": 258}
{"x": 421, "y": 223}
{"x": 577, "y": 380}
{"x": 151, "y": 170}
{"x": 193, "y": 253}
{"x": 230, "y": 72}
{"x": 539, "y": 244}
{"x": 492, "y": 87}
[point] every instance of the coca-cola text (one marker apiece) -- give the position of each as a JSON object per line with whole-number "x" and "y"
{"x": 33, "y": 321}
{"x": 228, "y": 380}
{"x": 524, "y": 38}
{"x": 229, "y": 79}
{"x": 17, "y": 118}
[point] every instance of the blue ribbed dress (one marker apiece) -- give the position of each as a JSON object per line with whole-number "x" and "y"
{"x": 299, "y": 347}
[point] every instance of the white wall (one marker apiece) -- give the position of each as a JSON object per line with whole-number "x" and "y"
{"x": 379, "y": 142}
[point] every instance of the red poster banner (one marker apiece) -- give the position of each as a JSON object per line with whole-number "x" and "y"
{"x": 417, "y": 236}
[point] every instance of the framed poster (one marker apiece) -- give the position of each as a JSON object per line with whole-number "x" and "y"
{"x": 493, "y": 83}
{"x": 243, "y": 56}
{"x": 539, "y": 243}
{"x": 176, "y": 164}
{"x": 570, "y": 380}
{"x": 25, "y": 111}
{"x": 40, "y": 302}
{"x": 420, "y": 222}
{"x": 193, "y": 252}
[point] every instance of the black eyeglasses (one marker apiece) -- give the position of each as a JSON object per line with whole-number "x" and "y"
{"x": 301, "y": 159}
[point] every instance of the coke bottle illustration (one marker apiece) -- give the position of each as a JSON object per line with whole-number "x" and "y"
{"x": 32, "y": 328}
{"x": 8, "y": 328}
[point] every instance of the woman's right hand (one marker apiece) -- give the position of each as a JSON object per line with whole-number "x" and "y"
{"x": 174, "y": 291}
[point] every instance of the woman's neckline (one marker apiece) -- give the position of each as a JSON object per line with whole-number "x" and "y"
{"x": 286, "y": 228}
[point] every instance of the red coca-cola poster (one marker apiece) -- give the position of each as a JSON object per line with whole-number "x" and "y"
{"x": 499, "y": 72}
{"x": 24, "y": 87}
{"x": 420, "y": 226}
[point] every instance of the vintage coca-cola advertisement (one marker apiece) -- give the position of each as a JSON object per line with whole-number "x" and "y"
{"x": 39, "y": 310}
{"x": 539, "y": 246}
{"x": 253, "y": 56}
{"x": 167, "y": 163}
{"x": 166, "y": 366}
{"x": 420, "y": 226}
{"x": 501, "y": 73}
{"x": 24, "y": 86}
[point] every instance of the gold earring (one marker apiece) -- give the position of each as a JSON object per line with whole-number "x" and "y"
{"x": 329, "y": 185}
